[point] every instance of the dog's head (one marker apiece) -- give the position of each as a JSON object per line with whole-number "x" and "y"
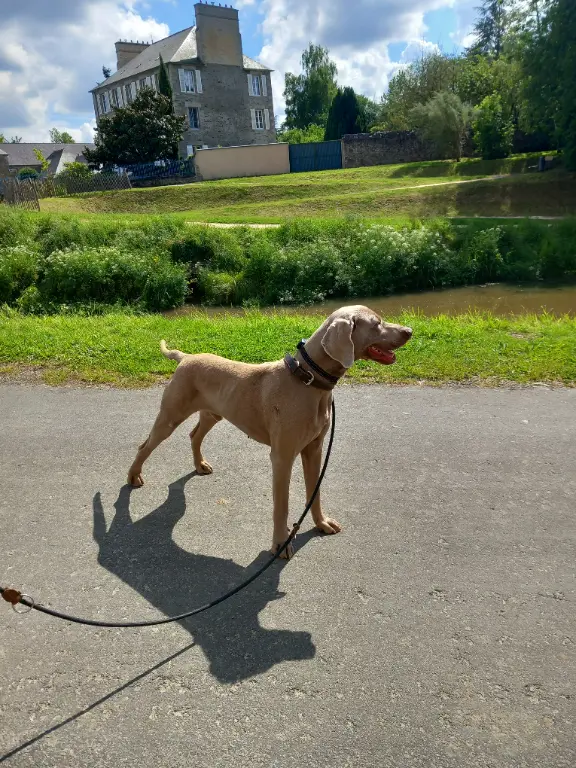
{"x": 354, "y": 333}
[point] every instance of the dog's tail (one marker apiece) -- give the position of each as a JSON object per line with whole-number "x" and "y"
{"x": 171, "y": 354}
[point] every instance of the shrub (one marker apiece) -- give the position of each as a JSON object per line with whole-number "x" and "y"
{"x": 217, "y": 287}
{"x": 18, "y": 270}
{"x": 16, "y": 227}
{"x": 108, "y": 274}
{"x": 28, "y": 173}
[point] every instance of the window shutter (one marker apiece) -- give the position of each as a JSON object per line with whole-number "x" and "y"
{"x": 250, "y": 86}
{"x": 264, "y": 86}
{"x": 267, "y": 119}
{"x": 182, "y": 76}
{"x": 120, "y": 97}
{"x": 198, "y": 81}
{"x": 253, "y": 116}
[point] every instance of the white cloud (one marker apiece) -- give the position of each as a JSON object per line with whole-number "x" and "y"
{"x": 356, "y": 33}
{"x": 51, "y": 55}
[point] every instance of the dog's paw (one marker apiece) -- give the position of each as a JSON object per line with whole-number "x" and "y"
{"x": 204, "y": 468}
{"x": 135, "y": 480}
{"x": 328, "y": 525}
{"x": 288, "y": 553}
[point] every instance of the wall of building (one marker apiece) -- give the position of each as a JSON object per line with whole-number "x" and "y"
{"x": 224, "y": 104}
{"x": 4, "y": 172}
{"x": 384, "y": 148}
{"x": 234, "y": 162}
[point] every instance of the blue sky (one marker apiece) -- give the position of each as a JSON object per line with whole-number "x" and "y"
{"x": 51, "y": 53}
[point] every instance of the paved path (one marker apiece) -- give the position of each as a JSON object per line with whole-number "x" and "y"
{"x": 437, "y": 631}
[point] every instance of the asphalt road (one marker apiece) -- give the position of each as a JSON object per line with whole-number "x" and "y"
{"x": 437, "y": 631}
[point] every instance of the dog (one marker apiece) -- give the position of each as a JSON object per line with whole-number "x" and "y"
{"x": 284, "y": 404}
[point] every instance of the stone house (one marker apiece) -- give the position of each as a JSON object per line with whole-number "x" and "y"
{"x": 225, "y": 96}
{"x": 14, "y": 157}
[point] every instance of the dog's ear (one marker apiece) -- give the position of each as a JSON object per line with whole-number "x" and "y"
{"x": 337, "y": 342}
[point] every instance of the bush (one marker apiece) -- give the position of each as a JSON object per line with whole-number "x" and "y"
{"x": 28, "y": 173}
{"x": 110, "y": 275}
{"x": 493, "y": 132}
{"x": 18, "y": 271}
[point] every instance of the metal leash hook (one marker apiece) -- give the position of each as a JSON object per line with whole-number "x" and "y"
{"x": 15, "y": 597}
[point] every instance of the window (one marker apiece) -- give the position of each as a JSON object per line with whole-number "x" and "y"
{"x": 104, "y": 103}
{"x": 142, "y": 84}
{"x": 260, "y": 119}
{"x": 128, "y": 98}
{"x": 257, "y": 85}
{"x": 190, "y": 80}
{"x": 194, "y": 118}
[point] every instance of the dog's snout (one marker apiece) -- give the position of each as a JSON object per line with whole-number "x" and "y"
{"x": 407, "y": 333}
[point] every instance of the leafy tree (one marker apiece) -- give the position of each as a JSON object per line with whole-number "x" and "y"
{"x": 309, "y": 95}
{"x": 106, "y": 71}
{"x": 302, "y": 136}
{"x": 44, "y": 163}
{"x": 60, "y": 137}
{"x": 75, "y": 171}
{"x": 493, "y": 131}
{"x": 369, "y": 112}
{"x": 164, "y": 86}
{"x": 443, "y": 121}
{"x": 416, "y": 84}
{"x": 344, "y": 115}
{"x": 491, "y": 28}
{"x": 144, "y": 131}
{"x": 2, "y": 139}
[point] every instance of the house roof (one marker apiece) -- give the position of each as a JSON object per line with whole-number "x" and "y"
{"x": 23, "y": 154}
{"x": 2, "y": 152}
{"x": 179, "y": 47}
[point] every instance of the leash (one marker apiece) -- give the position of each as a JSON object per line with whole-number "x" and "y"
{"x": 15, "y": 597}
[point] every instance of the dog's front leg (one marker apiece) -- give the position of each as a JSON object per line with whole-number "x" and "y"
{"x": 312, "y": 464}
{"x": 282, "y": 463}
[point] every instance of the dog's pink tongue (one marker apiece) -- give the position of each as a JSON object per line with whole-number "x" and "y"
{"x": 381, "y": 356}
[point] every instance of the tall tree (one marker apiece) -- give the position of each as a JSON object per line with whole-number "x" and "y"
{"x": 491, "y": 28}
{"x": 309, "y": 95}
{"x": 164, "y": 81}
{"x": 144, "y": 131}
{"x": 344, "y": 115}
{"x": 60, "y": 137}
{"x": 443, "y": 121}
{"x": 106, "y": 71}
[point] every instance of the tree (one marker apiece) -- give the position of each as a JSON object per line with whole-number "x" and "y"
{"x": 443, "y": 121}
{"x": 309, "y": 95}
{"x": 106, "y": 71}
{"x": 344, "y": 115}
{"x": 416, "y": 84}
{"x": 25, "y": 174}
{"x": 13, "y": 140}
{"x": 60, "y": 137}
{"x": 493, "y": 131}
{"x": 164, "y": 81}
{"x": 2, "y": 139}
{"x": 144, "y": 131}
{"x": 74, "y": 170}
{"x": 491, "y": 28}
{"x": 301, "y": 136}
{"x": 369, "y": 112}
{"x": 44, "y": 163}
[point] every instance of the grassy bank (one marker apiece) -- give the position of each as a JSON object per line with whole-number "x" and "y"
{"x": 123, "y": 350}
{"x": 155, "y": 263}
{"x": 374, "y": 192}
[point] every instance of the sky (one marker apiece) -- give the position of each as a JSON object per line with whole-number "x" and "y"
{"x": 52, "y": 51}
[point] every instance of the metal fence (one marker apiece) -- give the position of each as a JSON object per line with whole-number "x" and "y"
{"x": 161, "y": 169}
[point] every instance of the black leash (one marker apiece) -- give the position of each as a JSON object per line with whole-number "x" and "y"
{"x": 15, "y": 597}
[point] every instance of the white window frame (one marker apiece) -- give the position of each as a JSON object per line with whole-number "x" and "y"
{"x": 260, "y": 119}
{"x": 104, "y": 102}
{"x": 141, "y": 83}
{"x": 197, "y": 111}
{"x": 257, "y": 85}
{"x": 190, "y": 80}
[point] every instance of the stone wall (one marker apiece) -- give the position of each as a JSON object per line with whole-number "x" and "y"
{"x": 384, "y": 148}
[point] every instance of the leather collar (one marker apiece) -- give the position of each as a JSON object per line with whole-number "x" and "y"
{"x": 317, "y": 377}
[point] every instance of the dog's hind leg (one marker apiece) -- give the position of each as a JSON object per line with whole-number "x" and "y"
{"x": 206, "y": 422}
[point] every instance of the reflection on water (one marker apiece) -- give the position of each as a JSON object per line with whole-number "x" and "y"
{"x": 500, "y": 300}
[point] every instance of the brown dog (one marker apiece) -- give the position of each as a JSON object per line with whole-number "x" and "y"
{"x": 272, "y": 403}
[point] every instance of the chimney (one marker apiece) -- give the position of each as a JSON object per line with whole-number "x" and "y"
{"x": 126, "y": 51}
{"x": 218, "y": 35}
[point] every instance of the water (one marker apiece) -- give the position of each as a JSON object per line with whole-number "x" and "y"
{"x": 501, "y": 300}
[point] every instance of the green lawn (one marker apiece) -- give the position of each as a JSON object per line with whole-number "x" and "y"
{"x": 124, "y": 350}
{"x": 379, "y": 191}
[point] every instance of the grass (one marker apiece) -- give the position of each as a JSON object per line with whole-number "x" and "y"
{"x": 378, "y": 191}
{"x": 123, "y": 350}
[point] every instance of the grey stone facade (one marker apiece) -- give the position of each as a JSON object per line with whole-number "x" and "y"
{"x": 210, "y": 80}
{"x": 384, "y": 148}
